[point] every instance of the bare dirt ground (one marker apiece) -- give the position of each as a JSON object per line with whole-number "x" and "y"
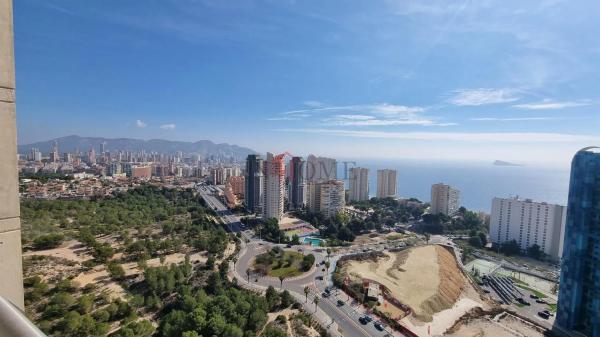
{"x": 100, "y": 277}
{"x": 508, "y": 326}
{"x": 427, "y": 279}
{"x": 71, "y": 250}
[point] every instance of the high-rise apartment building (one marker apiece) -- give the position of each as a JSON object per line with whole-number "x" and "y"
{"x": 386, "y": 183}
{"x": 35, "y": 155}
{"x": 326, "y": 197}
{"x": 254, "y": 183}
{"x": 274, "y": 187}
{"x": 320, "y": 168}
{"x": 529, "y": 223}
{"x": 54, "y": 157}
{"x": 297, "y": 189}
{"x": 114, "y": 169}
{"x": 359, "y": 184}
{"x": 444, "y": 199}
{"x": 11, "y": 269}
{"x": 579, "y": 293}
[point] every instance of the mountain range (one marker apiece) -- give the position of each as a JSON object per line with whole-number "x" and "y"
{"x": 205, "y": 148}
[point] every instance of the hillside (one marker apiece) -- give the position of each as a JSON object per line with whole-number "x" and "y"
{"x": 203, "y": 147}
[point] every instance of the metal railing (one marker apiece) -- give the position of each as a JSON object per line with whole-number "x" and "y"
{"x": 14, "y": 323}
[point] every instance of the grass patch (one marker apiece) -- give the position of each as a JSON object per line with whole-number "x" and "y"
{"x": 552, "y": 307}
{"x": 278, "y": 263}
{"x": 535, "y": 292}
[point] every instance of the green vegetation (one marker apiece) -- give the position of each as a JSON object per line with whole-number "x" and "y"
{"x": 48, "y": 241}
{"x": 552, "y": 307}
{"x": 278, "y": 262}
{"x": 535, "y": 292}
{"x": 464, "y": 221}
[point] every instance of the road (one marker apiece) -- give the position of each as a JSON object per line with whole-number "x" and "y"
{"x": 340, "y": 320}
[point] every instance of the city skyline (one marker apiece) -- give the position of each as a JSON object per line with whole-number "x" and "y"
{"x": 444, "y": 80}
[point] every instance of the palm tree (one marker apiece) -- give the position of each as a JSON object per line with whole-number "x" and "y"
{"x": 234, "y": 260}
{"x": 281, "y": 278}
{"x": 316, "y": 302}
{"x": 248, "y": 274}
{"x": 306, "y": 292}
{"x": 328, "y": 253}
{"x": 327, "y": 266}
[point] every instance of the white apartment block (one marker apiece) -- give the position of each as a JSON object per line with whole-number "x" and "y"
{"x": 327, "y": 198}
{"x": 274, "y": 187}
{"x": 444, "y": 199}
{"x": 359, "y": 184}
{"x": 529, "y": 223}
{"x": 386, "y": 183}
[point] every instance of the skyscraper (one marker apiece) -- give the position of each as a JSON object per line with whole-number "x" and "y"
{"x": 444, "y": 199}
{"x": 54, "y": 156}
{"x": 11, "y": 270}
{"x": 326, "y": 197}
{"x": 320, "y": 168}
{"x": 297, "y": 186}
{"x": 273, "y": 196}
{"x": 579, "y": 296}
{"x": 529, "y": 223}
{"x": 386, "y": 183}
{"x": 254, "y": 180}
{"x": 359, "y": 184}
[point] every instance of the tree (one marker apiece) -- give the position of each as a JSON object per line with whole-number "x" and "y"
{"x": 535, "y": 251}
{"x": 316, "y": 302}
{"x": 48, "y": 241}
{"x": 115, "y": 270}
{"x": 306, "y": 292}
{"x": 327, "y": 265}
{"x": 307, "y": 262}
{"x": 510, "y": 248}
{"x": 281, "y": 278}
{"x": 475, "y": 241}
{"x": 248, "y": 274}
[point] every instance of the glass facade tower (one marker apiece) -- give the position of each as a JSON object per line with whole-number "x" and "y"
{"x": 579, "y": 295}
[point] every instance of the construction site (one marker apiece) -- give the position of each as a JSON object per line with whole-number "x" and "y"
{"x": 422, "y": 288}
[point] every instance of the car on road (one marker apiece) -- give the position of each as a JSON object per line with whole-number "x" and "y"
{"x": 363, "y": 320}
{"x": 379, "y": 326}
{"x": 340, "y": 303}
{"x": 535, "y": 297}
{"x": 541, "y": 301}
{"x": 320, "y": 278}
{"x": 325, "y": 294}
{"x": 544, "y": 314}
{"x": 522, "y": 301}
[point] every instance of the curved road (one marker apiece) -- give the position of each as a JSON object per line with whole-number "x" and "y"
{"x": 340, "y": 320}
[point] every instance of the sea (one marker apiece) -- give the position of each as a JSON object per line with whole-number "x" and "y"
{"x": 478, "y": 182}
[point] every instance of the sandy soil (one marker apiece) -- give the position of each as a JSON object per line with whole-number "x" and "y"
{"x": 131, "y": 268}
{"x": 412, "y": 282}
{"x": 99, "y": 276}
{"x": 71, "y": 250}
{"x": 427, "y": 279}
{"x": 506, "y": 327}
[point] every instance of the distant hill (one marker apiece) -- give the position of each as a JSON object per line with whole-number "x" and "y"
{"x": 203, "y": 147}
{"x": 505, "y": 163}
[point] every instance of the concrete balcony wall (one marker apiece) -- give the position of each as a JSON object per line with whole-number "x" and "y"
{"x": 11, "y": 269}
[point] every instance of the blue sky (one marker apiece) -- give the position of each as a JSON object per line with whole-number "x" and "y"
{"x": 466, "y": 80}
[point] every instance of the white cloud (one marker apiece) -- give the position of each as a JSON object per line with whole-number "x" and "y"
{"x": 392, "y": 109}
{"x": 314, "y": 104}
{"x": 168, "y": 126}
{"x": 482, "y": 96}
{"x": 493, "y": 137}
{"x": 354, "y": 117}
{"x": 140, "y": 124}
{"x": 514, "y": 119}
{"x": 550, "y": 105}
